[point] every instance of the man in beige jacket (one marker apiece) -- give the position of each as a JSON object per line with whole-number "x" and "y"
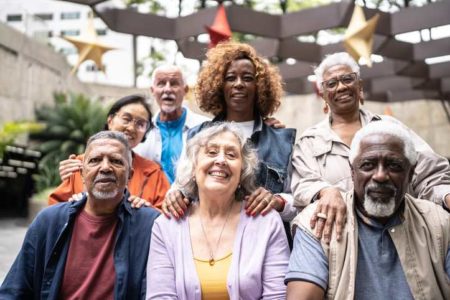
{"x": 393, "y": 245}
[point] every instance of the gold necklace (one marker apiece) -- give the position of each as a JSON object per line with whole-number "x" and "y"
{"x": 211, "y": 253}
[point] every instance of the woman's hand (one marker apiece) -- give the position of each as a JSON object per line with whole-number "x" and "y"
{"x": 76, "y": 197}
{"x": 174, "y": 204}
{"x": 261, "y": 201}
{"x": 275, "y": 123}
{"x": 137, "y": 202}
{"x": 330, "y": 211}
{"x": 68, "y": 166}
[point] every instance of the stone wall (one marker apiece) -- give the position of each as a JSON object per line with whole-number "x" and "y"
{"x": 426, "y": 118}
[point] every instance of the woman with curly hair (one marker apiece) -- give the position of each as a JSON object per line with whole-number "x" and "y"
{"x": 238, "y": 85}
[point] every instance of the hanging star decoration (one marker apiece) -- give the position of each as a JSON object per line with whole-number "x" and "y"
{"x": 89, "y": 47}
{"x": 358, "y": 39}
{"x": 220, "y": 29}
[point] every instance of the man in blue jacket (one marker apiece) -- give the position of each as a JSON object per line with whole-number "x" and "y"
{"x": 95, "y": 248}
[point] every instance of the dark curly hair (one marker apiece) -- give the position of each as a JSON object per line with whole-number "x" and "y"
{"x": 210, "y": 82}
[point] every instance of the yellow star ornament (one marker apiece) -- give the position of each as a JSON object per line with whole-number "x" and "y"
{"x": 89, "y": 47}
{"x": 358, "y": 39}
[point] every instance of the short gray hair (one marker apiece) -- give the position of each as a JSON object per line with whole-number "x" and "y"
{"x": 335, "y": 59}
{"x": 167, "y": 67}
{"x": 186, "y": 166}
{"x": 388, "y": 128}
{"x": 114, "y": 135}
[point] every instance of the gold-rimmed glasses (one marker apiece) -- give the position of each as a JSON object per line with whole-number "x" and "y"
{"x": 140, "y": 124}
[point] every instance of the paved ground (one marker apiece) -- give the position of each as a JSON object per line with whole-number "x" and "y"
{"x": 12, "y": 232}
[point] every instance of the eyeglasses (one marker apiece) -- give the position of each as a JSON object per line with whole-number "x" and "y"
{"x": 346, "y": 79}
{"x": 140, "y": 124}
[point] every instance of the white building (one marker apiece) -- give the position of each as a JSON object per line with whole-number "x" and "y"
{"x": 48, "y": 20}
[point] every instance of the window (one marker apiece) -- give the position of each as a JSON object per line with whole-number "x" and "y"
{"x": 14, "y": 18}
{"x": 71, "y": 32}
{"x": 101, "y": 31}
{"x": 43, "y": 17}
{"x": 68, "y": 51}
{"x": 70, "y": 16}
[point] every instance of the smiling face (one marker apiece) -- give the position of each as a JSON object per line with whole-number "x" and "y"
{"x": 106, "y": 169}
{"x": 343, "y": 98}
{"x": 219, "y": 164}
{"x": 240, "y": 90}
{"x": 381, "y": 173}
{"x": 169, "y": 89}
{"x": 124, "y": 121}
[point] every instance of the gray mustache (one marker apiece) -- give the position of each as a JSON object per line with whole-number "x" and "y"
{"x": 104, "y": 177}
{"x": 381, "y": 186}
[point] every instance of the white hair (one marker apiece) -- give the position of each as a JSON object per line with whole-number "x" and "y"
{"x": 386, "y": 127}
{"x": 167, "y": 67}
{"x": 335, "y": 59}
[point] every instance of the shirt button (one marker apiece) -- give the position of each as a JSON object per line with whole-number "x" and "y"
{"x": 393, "y": 230}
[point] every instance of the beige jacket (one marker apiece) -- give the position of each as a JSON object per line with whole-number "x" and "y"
{"x": 320, "y": 160}
{"x": 421, "y": 241}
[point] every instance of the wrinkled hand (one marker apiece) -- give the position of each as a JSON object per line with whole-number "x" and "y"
{"x": 68, "y": 166}
{"x": 275, "y": 123}
{"x": 261, "y": 201}
{"x": 137, "y": 202}
{"x": 332, "y": 205}
{"x": 175, "y": 204}
{"x": 76, "y": 197}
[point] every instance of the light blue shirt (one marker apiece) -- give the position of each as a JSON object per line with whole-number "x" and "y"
{"x": 172, "y": 144}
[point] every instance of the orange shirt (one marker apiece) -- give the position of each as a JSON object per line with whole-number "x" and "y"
{"x": 148, "y": 182}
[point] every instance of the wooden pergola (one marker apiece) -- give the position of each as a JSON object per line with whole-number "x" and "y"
{"x": 402, "y": 75}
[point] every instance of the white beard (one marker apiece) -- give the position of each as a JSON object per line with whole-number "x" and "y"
{"x": 99, "y": 195}
{"x": 377, "y": 208}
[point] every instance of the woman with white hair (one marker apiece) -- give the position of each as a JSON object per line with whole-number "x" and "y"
{"x": 320, "y": 159}
{"x": 217, "y": 251}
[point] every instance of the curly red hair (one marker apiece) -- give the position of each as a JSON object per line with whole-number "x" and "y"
{"x": 210, "y": 82}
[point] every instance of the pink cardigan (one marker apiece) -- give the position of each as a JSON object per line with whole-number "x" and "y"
{"x": 259, "y": 263}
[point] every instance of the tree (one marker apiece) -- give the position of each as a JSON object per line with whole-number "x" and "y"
{"x": 68, "y": 125}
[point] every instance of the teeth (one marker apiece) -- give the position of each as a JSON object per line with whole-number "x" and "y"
{"x": 218, "y": 174}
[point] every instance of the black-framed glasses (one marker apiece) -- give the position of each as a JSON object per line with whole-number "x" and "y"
{"x": 140, "y": 124}
{"x": 346, "y": 79}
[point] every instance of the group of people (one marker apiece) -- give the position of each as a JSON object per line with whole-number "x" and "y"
{"x": 365, "y": 197}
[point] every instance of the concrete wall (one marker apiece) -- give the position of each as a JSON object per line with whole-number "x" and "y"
{"x": 426, "y": 118}
{"x": 30, "y": 72}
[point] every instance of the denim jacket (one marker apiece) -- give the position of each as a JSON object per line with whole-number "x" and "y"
{"x": 274, "y": 147}
{"x": 39, "y": 267}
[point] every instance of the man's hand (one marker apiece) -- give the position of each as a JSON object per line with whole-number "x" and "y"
{"x": 261, "y": 201}
{"x": 68, "y": 166}
{"x": 331, "y": 210}
{"x": 275, "y": 123}
{"x": 137, "y": 202}
{"x": 175, "y": 204}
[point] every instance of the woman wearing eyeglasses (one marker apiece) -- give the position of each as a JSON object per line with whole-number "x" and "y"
{"x": 320, "y": 160}
{"x": 148, "y": 185}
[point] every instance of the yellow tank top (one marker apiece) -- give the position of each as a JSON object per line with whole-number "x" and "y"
{"x": 213, "y": 279}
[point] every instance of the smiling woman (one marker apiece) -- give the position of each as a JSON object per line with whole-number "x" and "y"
{"x": 233, "y": 255}
{"x": 130, "y": 115}
{"x": 236, "y": 84}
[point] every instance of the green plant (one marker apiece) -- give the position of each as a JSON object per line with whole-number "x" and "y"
{"x": 68, "y": 125}
{"x": 10, "y": 131}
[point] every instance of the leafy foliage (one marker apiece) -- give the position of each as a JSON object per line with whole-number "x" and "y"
{"x": 68, "y": 125}
{"x": 12, "y": 130}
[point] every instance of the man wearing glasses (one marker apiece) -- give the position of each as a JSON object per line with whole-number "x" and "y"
{"x": 320, "y": 159}
{"x": 165, "y": 141}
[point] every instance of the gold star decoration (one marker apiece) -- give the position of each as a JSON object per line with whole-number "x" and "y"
{"x": 358, "y": 39}
{"x": 89, "y": 47}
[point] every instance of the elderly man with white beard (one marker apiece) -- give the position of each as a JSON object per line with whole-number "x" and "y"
{"x": 393, "y": 245}
{"x": 95, "y": 248}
